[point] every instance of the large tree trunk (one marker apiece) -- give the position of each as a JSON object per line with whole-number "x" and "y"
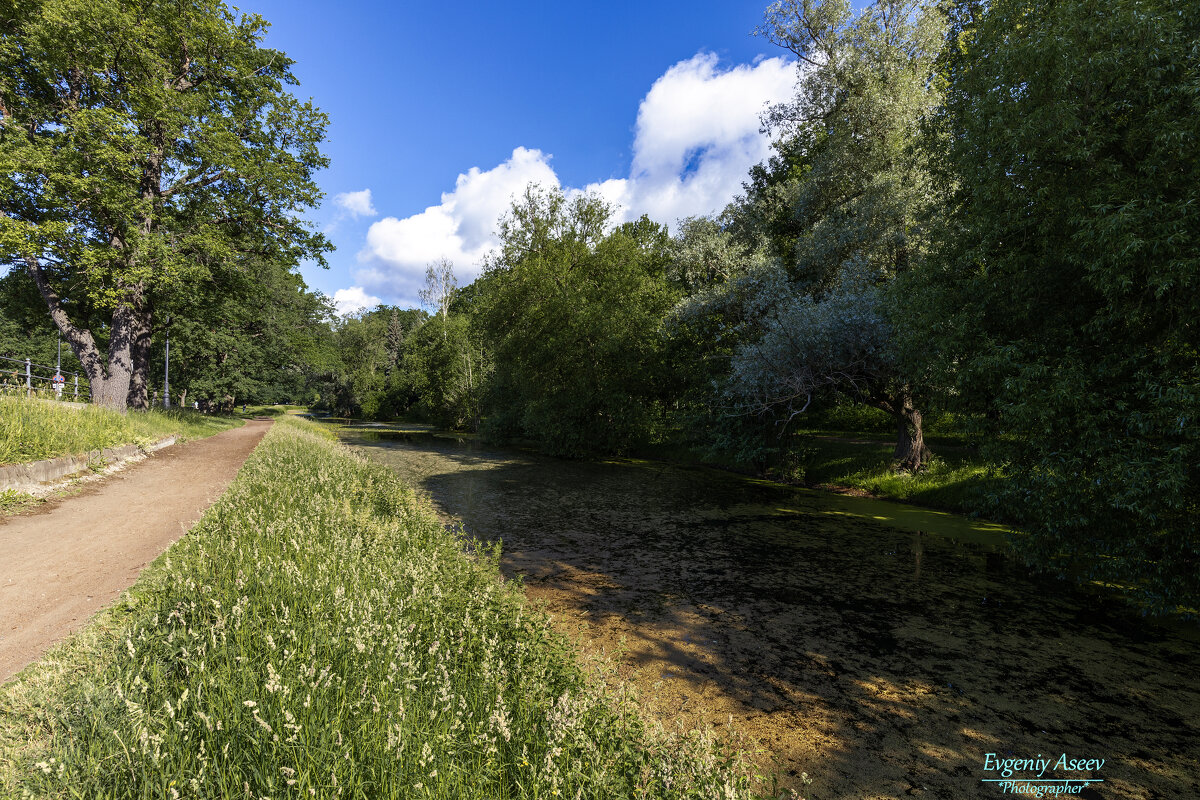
{"x": 139, "y": 353}
{"x": 109, "y": 382}
{"x": 910, "y": 454}
{"x": 111, "y": 389}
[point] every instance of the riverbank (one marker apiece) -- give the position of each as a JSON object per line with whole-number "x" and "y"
{"x": 320, "y": 632}
{"x": 34, "y": 429}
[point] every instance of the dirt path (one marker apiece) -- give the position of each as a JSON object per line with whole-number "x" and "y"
{"x": 72, "y": 557}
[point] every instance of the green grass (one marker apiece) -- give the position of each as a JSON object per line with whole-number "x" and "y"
{"x": 32, "y": 429}
{"x": 12, "y": 501}
{"x": 321, "y": 634}
{"x": 850, "y": 446}
{"x": 956, "y": 479}
{"x": 268, "y": 411}
{"x": 860, "y": 419}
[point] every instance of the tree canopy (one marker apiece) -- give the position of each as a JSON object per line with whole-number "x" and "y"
{"x": 571, "y": 315}
{"x": 840, "y": 208}
{"x": 1061, "y": 299}
{"x": 146, "y": 149}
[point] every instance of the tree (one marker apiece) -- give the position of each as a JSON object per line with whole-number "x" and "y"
{"x": 719, "y": 271}
{"x": 145, "y": 148}
{"x": 842, "y": 342}
{"x": 840, "y": 206}
{"x": 440, "y": 284}
{"x": 1061, "y": 299}
{"x": 571, "y": 314}
{"x": 443, "y": 372}
{"x": 259, "y": 340}
{"x": 361, "y": 343}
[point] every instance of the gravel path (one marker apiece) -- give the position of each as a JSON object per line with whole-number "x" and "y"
{"x": 71, "y": 557}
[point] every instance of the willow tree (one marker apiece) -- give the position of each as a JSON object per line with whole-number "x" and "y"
{"x": 841, "y": 206}
{"x": 145, "y": 148}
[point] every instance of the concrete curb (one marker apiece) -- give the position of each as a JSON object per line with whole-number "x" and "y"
{"x": 36, "y": 473}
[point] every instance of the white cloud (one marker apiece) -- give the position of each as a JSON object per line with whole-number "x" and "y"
{"x": 352, "y": 300}
{"x": 461, "y": 228}
{"x": 697, "y": 137}
{"x": 358, "y": 204}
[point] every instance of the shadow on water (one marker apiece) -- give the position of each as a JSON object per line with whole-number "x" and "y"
{"x": 881, "y": 648}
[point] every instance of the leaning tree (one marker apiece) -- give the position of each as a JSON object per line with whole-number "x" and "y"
{"x": 841, "y": 208}
{"x": 145, "y": 149}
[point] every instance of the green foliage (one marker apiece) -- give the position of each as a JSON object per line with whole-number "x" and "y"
{"x": 32, "y": 429}
{"x": 838, "y": 207}
{"x": 571, "y": 315}
{"x": 443, "y": 372}
{"x": 1061, "y": 302}
{"x": 255, "y": 338}
{"x": 26, "y": 331}
{"x": 321, "y": 634}
{"x": 355, "y": 374}
{"x": 841, "y": 342}
{"x": 11, "y": 500}
{"x": 390, "y": 362}
{"x": 958, "y": 479}
{"x": 852, "y": 182}
{"x": 149, "y": 156}
{"x": 835, "y": 414}
{"x": 720, "y": 274}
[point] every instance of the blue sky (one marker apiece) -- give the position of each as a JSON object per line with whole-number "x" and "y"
{"x": 440, "y": 112}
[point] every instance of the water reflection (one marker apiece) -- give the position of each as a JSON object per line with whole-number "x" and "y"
{"x": 881, "y": 648}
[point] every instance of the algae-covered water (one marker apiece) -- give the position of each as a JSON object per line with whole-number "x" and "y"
{"x": 884, "y": 650}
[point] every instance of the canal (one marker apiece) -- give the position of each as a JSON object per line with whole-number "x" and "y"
{"x": 885, "y": 650}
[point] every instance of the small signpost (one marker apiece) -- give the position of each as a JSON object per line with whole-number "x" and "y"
{"x": 59, "y": 381}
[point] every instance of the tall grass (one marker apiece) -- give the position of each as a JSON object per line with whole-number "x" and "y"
{"x": 320, "y": 634}
{"x": 32, "y": 429}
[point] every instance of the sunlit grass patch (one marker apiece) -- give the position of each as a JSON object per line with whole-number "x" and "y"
{"x": 320, "y": 634}
{"x": 32, "y": 429}
{"x": 960, "y": 487}
{"x": 956, "y": 479}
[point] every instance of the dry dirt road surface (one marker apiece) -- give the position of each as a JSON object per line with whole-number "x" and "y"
{"x": 72, "y": 557}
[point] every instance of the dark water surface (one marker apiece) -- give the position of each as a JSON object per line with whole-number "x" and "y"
{"x": 882, "y": 649}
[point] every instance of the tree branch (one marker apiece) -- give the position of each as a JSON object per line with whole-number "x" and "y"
{"x": 191, "y": 182}
{"x": 81, "y": 340}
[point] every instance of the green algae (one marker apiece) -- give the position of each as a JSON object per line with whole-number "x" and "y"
{"x": 880, "y": 647}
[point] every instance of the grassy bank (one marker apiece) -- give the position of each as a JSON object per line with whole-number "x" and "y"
{"x": 320, "y": 634}
{"x": 851, "y": 447}
{"x": 956, "y": 479}
{"x": 33, "y": 429}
